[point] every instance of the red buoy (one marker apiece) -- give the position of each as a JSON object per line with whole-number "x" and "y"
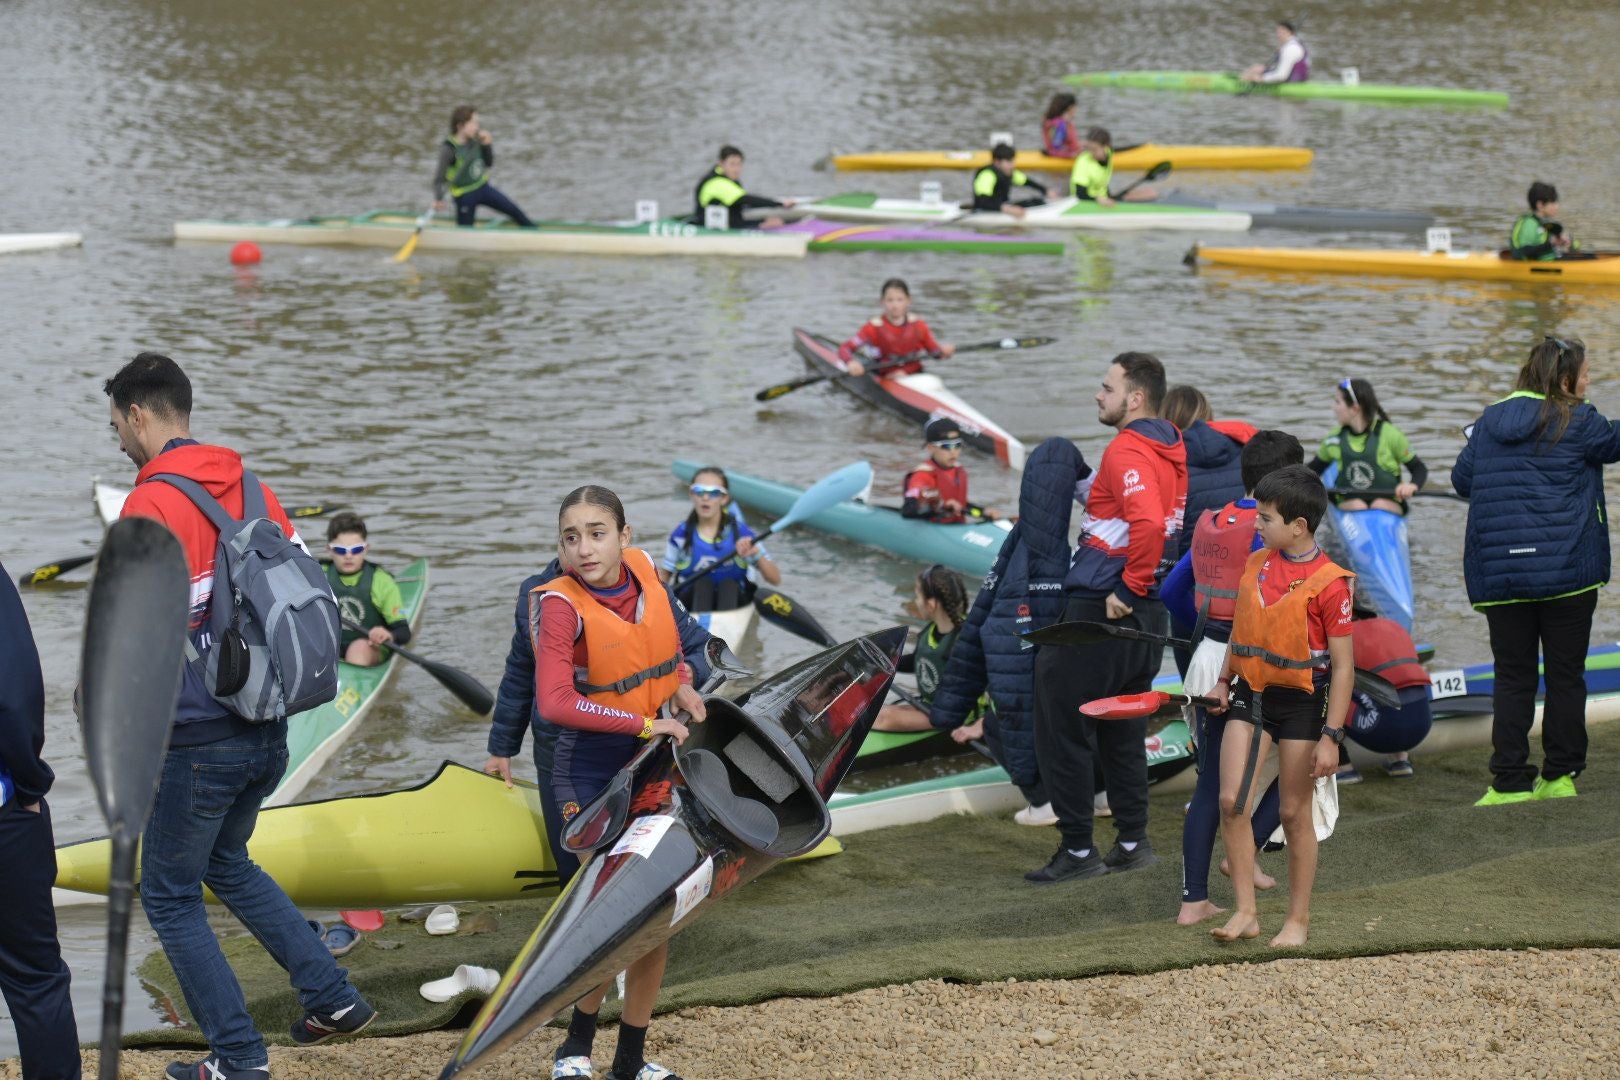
{"x": 245, "y": 254}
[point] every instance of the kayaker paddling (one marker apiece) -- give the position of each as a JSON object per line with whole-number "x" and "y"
{"x": 1290, "y": 63}
{"x": 1094, "y": 168}
{"x": 722, "y": 186}
{"x": 939, "y": 596}
{"x": 1539, "y": 236}
{"x": 366, "y": 593}
{"x": 465, "y": 159}
{"x": 609, "y": 668}
{"x": 1369, "y": 450}
{"x": 993, "y": 184}
{"x": 715, "y": 530}
{"x": 895, "y": 335}
{"x": 937, "y": 489}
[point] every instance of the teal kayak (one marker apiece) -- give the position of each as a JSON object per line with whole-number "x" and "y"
{"x": 1221, "y": 82}
{"x": 970, "y": 548}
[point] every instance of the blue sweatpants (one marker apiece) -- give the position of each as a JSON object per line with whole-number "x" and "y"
{"x": 489, "y": 195}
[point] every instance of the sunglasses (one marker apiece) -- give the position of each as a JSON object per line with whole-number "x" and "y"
{"x": 339, "y": 549}
{"x": 1350, "y": 391}
{"x": 948, "y": 444}
{"x": 1563, "y": 346}
{"x": 706, "y": 491}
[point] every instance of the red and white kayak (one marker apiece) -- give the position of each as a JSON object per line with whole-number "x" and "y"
{"x": 914, "y": 397}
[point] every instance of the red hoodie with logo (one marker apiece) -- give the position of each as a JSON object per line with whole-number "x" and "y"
{"x": 1134, "y": 510}
{"x": 199, "y": 718}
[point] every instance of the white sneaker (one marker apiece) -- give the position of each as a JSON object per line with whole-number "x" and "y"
{"x": 1099, "y": 805}
{"x": 1036, "y": 815}
{"x": 466, "y": 977}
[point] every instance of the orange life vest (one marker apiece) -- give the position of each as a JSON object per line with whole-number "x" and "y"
{"x": 630, "y": 666}
{"x": 1220, "y": 550}
{"x": 1271, "y": 646}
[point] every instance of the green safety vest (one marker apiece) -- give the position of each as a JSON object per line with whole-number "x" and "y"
{"x": 1091, "y": 176}
{"x": 466, "y": 172}
{"x": 718, "y": 188}
{"x": 988, "y": 179}
{"x": 1361, "y": 469}
{"x": 932, "y": 653}
{"x": 354, "y": 601}
{"x": 1529, "y": 231}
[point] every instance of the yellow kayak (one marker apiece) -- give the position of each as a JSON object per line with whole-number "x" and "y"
{"x": 461, "y": 835}
{"x": 1602, "y": 269}
{"x": 1136, "y": 159}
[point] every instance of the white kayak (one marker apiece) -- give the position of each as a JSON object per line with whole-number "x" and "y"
{"x": 1086, "y": 214}
{"x": 730, "y": 626}
{"x": 17, "y": 243}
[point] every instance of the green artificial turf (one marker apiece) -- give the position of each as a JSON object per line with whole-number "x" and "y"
{"x": 1413, "y": 866}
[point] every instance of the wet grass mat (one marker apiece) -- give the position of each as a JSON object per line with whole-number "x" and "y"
{"x": 1412, "y": 867}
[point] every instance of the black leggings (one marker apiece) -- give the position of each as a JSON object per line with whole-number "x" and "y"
{"x": 1558, "y": 632}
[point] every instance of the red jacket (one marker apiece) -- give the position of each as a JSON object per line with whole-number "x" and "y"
{"x": 1133, "y": 514}
{"x": 908, "y": 339}
{"x": 219, "y": 471}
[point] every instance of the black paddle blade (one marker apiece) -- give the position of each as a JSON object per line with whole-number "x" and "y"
{"x": 771, "y": 393}
{"x": 1006, "y": 343}
{"x": 317, "y": 510}
{"x": 784, "y": 611}
{"x": 134, "y": 636}
{"x": 1162, "y": 169}
{"x": 472, "y": 693}
{"x": 51, "y": 571}
{"x": 1085, "y": 632}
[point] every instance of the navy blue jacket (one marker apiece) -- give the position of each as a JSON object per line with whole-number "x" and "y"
{"x": 1537, "y": 525}
{"x": 1214, "y": 475}
{"x": 22, "y": 701}
{"x": 514, "y": 705}
{"x": 1023, "y": 592}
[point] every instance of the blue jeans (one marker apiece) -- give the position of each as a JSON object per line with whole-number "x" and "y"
{"x": 207, "y": 802}
{"x": 467, "y": 205}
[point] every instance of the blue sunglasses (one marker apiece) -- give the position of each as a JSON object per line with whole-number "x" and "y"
{"x": 339, "y": 549}
{"x": 705, "y": 491}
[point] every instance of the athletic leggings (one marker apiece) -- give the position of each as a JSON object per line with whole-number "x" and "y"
{"x": 489, "y": 195}
{"x": 1203, "y": 819}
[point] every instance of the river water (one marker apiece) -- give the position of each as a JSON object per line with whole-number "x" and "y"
{"x": 455, "y": 399}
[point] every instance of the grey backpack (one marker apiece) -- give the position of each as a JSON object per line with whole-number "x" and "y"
{"x": 273, "y": 648}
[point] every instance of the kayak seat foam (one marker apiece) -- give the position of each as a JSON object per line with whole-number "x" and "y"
{"x": 755, "y": 764}
{"x": 750, "y": 820}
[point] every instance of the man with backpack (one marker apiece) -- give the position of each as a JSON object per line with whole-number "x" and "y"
{"x": 263, "y": 645}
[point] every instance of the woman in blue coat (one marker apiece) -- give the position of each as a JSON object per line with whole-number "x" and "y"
{"x": 1535, "y": 554}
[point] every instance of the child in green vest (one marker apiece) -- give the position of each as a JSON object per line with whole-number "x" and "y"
{"x": 941, "y": 598}
{"x": 367, "y": 595}
{"x": 1538, "y": 236}
{"x": 1370, "y": 452}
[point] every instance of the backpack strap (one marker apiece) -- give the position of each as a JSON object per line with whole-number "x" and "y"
{"x": 203, "y": 501}
{"x": 254, "y": 504}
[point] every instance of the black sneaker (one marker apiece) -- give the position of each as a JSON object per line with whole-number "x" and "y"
{"x": 1119, "y": 860}
{"x": 316, "y": 1027}
{"x": 211, "y": 1068}
{"x": 1065, "y": 866}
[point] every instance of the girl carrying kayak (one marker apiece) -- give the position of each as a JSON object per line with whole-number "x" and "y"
{"x": 896, "y": 334}
{"x": 465, "y": 159}
{"x": 611, "y": 619}
{"x": 715, "y": 530}
{"x": 939, "y": 596}
{"x": 1370, "y": 452}
{"x": 1060, "y": 137}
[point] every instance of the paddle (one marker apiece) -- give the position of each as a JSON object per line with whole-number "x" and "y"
{"x": 1084, "y": 632}
{"x": 129, "y": 675}
{"x": 1162, "y": 169}
{"x": 824, "y": 494}
{"x": 782, "y": 610}
{"x": 314, "y": 510}
{"x": 416, "y": 235}
{"x": 1140, "y": 706}
{"x": 771, "y": 393}
{"x": 1369, "y": 493}
{"x": 916, "y": 703}
{"x": 474, "y": 694}
{"x": 52, "y": 570}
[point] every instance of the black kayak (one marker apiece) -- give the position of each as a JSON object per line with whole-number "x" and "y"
{"x": 747, "y": 789}
{"x": 1322, "y": 218}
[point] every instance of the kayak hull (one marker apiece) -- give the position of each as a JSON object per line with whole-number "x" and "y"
{"x": 844, "y": 236}
{"x": 1085, "y": 214}
{"x": 1135, "y": 159}
{"x": 390, "y": 229}
{"x": 969, "y": 548}
{"x": 729, "y": 626}
{"x": 1478, "y": 265}
{"x": 695, "y": 833}
{"x": 1322, "y": 218}
{"x": 22, "y": 243}
{"x": 1221, "y": 82}
{"x": 912, "y": 397}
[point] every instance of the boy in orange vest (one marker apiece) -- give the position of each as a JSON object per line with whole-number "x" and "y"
{"x": 1290, "y": 669}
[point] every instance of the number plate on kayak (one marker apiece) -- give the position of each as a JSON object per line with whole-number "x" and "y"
{"x": 1444, "y": 684}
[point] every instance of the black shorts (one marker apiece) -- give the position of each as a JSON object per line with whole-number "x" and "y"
{"x": 1285, "y": 713}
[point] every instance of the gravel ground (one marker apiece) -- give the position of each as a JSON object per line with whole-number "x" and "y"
{"x": 1474, "y": 1014}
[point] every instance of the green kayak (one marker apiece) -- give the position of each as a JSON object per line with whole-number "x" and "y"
{"x": 1221, "y": 82}
{"x": 969, "y": 548}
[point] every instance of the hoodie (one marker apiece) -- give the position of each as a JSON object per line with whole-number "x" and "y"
{"x": 1134, "y": 509}
{"x": 199, "y": 718}
{"x": 1214, "y": 469}
{"x": 1537, "y": 524}
{"x": 23, "y": 775}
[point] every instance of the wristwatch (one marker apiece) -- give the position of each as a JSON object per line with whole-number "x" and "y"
{"x": 1334, "y": 733}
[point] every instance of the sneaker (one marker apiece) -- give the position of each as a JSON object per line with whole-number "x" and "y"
{"x": 1064, "y": 866}
{"x": 316, "y": 1028}
{"x": 1036, "y": 815}
{"x": 1561, "y": 788}
{"x": 1492, "y": 797}
{"x": 1099, "y": 805}
{"x": 572, "y": 1068}
{"x": 1398, "y": 767}
{"x": 1348, "y": 775}
{"x": 648, "y": 1071}
{"x": 212, "y": 1068}
{"x": 1119, "y": 860}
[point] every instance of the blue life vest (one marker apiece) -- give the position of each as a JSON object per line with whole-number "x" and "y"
{"x": 7, "y": 788}
{"x": 701, "y": 552}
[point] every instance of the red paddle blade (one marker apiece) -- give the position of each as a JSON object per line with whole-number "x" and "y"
{"x": 1126, "y": 706}
{"x": 365, "y": 921}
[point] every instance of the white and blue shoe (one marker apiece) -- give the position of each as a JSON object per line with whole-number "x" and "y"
{"x": 570, "y": 1068}
{"x": 648, "y": 1071}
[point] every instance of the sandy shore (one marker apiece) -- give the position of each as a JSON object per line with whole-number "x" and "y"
{"x": 1473, "y": 1014}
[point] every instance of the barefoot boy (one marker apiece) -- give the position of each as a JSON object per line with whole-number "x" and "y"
{"x": 1290, "y": 668}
